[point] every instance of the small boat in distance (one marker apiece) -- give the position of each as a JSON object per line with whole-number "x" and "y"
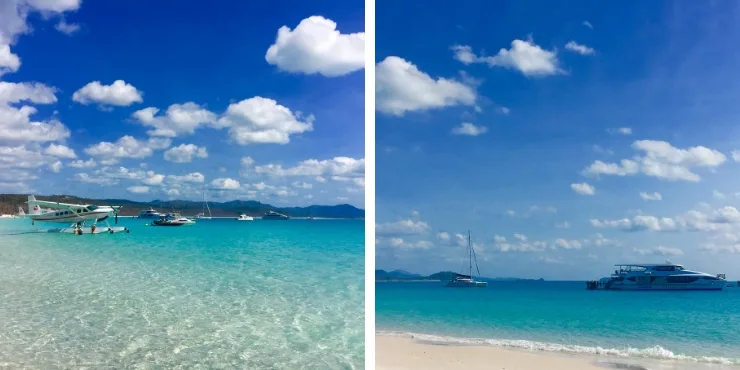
{"x": 173, "y": 219}
{"x": 272, "y": 215}
{"x": 244, "y": 217}
{"x": 662, "y": 276}
{"x": 467, "y": 281}
{"x": 202, "y": 215}
{"x": 149, "y": 213}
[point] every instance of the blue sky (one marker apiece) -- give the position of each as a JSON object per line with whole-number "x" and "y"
{"x": 566, "y": 138}
{"x": 155, "y": 100}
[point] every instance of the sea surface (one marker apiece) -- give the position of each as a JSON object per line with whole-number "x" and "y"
{"x": 691, "y": 330}
{"x": 222, "y": 294}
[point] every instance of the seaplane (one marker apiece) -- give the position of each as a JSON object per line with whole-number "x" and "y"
{"x": 76, "y": 215}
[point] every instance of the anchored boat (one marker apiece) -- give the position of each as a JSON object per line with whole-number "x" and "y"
{"x": 272, "y": 215}
{"x": 666, "y": 276}
{"x": 467, "y": 281}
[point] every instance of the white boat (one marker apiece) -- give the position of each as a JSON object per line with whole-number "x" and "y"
{"x": 150, "y": 213}
{"x": 202, "y": 215}
{"x": 243, "y": 217}
{"x": 664, "y": 276}
{"x": 467, "y": 281}
{"x": 272, "y": 215}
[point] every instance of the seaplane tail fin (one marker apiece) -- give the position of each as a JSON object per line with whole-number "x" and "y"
{"x": 33, "y": 208}
{"x": 21, "y": 212}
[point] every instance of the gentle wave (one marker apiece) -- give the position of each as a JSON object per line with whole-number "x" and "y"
{"x": 656, "y": 352}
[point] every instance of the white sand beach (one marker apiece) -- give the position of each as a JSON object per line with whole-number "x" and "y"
{"x": 396, "y": 353}
{"x": 400, "y": 353}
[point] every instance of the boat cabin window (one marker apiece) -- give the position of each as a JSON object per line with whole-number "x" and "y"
{"x": 631, "y": 269}
{"x": 664, "y": 268}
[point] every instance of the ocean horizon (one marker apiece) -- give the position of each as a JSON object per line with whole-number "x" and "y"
{"x": 694, "y": 329}
{"x": 219, "y": 294}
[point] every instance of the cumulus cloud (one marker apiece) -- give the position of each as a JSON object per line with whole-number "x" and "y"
{"x": 338, "y": 168}
{"x": 401, "y": 87}
{"x": 662, "y": 160}
{"x": 60, "y": 151}
{"x": 583, "y": 188}
{"x": 524, "y": 56}
{"x": 195, "y": 177}
{"x": 403, "y": 227}
{"x": 578, "y": 48}
{"x": 261, "y": 120}
{"x": 651, "y": 196}
{"x": 178, "y": 120}
{"x": 316, "y": 46}
{"x": 225, "y": 184}
{"x": 67, "y": 28}
{"x": 185, "y": 153}
{"x": 620, "y": 131}
{"x": 469, "y": 129}
{"x": 659, "y": 251}
{"x": 119, "y": 93}
{"x": 138, "y": 189}
{"x": 90, "y": 163}
{"x": 125, "y": 147}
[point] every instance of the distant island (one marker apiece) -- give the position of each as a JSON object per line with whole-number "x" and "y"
{"x": 401, "y": 275}
{"x": 9, "y": 204}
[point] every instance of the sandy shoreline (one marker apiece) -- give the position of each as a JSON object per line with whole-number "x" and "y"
{"x": 396, "y": 353}
{"x": 401, "y": 353}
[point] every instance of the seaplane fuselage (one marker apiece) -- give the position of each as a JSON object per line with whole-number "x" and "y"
{"x": 67, "y": 213}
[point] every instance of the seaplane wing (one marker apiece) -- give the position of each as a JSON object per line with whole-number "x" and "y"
{"x": 55, "y": 205}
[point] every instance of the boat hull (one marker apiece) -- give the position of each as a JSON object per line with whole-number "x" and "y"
{"x": 674, "y": 287}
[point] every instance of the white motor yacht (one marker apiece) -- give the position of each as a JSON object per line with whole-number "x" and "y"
{"x": 665, "y": 276}
{"x": 150, "y": 213}
{"x": 244, "y": 217}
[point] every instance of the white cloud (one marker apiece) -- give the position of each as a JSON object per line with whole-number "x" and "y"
{"x": 620, "y": 131}
{"x": 316, "y": 46}
{"x": 520, "y": 237}
{"x": 639, "y": 223}
{"x": 247, "y": 162}
{"x": 195, "y": 177}
{"x": 17, "y": 127}
{"x": 403, "y": 227}
{"x": 563, "y": 225}
{"x": 583, "y": 188}
{"x": 262, "y": 120}
{"x": 13, "y": 15}
{"x": 153, "y": 179}
{"x": 578, "y": 48}
{"x": 225, "y": 184}
{"x": 469, "y": 129}
{"x": 568, "y": 244}
{"x": 67, "y": 28}
{"x": 504, "y": 110}
{"x": 660, "y": 159}
{"x": 342, "y": 167}
{"x": 185, "y": 153}
{"x": 524, "y": 56}
{"x": 119, "y": 93}
{"x": 56, "y": 166}
{"x": 401, "y": 87}
{"x": 138, "y": 189}
{"x": 660, "y": 251}
{"x": 125, "y": 147}
{"x": 12, "y": 92}
{"x": 736, "y": 155}
{"x": 86, "y": 178}
{"x": 651, "y": 196}
{"x": 82, "y": 164}
{"x": 588, "y": 24}
{"x": 60, "y": 151}
{"x": 718, "y": 195}
{"x": 178, "y": 120}
{"x": 302, "y": 185}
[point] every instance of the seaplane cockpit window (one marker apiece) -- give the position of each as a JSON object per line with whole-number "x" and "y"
{"x": 85, "y": 210}
{"x": 92, "y": 208}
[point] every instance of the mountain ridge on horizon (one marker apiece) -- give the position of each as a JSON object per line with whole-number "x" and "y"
{"x": 9, "y": 204}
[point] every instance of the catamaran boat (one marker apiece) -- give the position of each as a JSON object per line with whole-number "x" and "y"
{"x": 149, "y": 213}
{"x": 467, "y": 281}
{"x": 243, "y": 217}
{"x": 272, "y": 215}
{"x": 666, "y": 276}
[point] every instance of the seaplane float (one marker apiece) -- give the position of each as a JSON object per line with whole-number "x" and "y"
{"x": 76, "y": 215}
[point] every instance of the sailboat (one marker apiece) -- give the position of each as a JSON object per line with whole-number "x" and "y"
{"x": 202, "y": 215}
{"x": 466, "y": 281}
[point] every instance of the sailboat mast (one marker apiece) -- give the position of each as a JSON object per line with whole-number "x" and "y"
{"x": 470, "y": 256}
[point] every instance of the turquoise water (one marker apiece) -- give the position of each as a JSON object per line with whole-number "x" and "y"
{"x": 700, "y": 328}
{"x": 221, "y": 294}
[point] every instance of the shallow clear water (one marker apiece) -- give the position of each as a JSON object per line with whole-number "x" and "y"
{"x": 220, "y": 294}
{"x": 697, "y": 327}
